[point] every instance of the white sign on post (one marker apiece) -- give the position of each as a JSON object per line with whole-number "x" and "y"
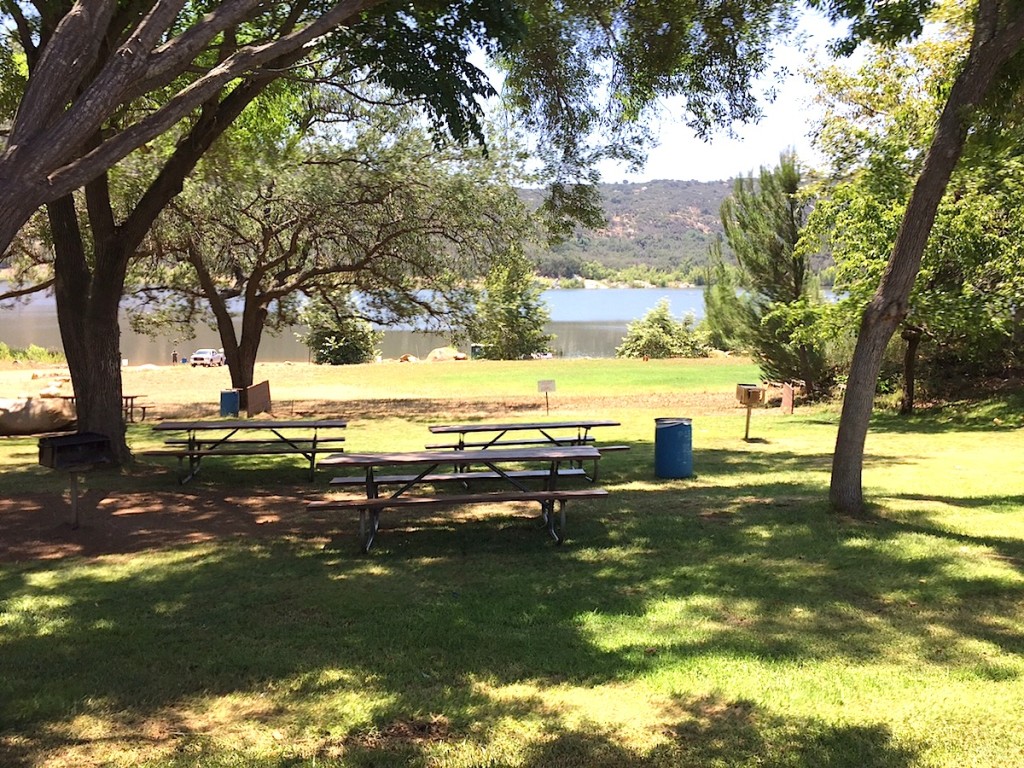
{"x": 545, "y": 386}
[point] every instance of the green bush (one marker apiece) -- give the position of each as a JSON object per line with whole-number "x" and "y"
{"x": 31, "y": 354}
{"x": 335, "y": 338}
{"x": 510, "y": 318}
{"x": 657, "y": 334}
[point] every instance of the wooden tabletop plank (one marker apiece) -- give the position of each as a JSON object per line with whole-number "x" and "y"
{"x": 250, "y": 424}
{"x": 486, "y": 427}
{"x": 491, "y": 456}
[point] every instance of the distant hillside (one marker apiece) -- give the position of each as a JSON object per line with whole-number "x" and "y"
{"x": 666, "y": 225}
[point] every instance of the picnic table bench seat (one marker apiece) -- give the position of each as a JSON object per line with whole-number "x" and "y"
{"x": 456, "y": 477}
{"x": 373, "y": 507}
{"x": 234, "y": 448}
{"x": 268, "y": 449}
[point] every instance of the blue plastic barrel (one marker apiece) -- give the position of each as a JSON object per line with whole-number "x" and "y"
{"x": 229, "y": 402}
{"x": 673, "y": 448}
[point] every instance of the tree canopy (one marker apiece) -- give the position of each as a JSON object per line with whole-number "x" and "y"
{"x": 88, "y": 83}
{"x": 93, "y": 83}
{"x": 878, "y": 123}
{"x": 380, "y": 213}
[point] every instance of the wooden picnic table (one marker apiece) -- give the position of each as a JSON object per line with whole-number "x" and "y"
{"x": 502, "y": 466}
{"x": 127, "y": 404}
{"x": 492, "y": 435}
{"x": 240, "y": 437}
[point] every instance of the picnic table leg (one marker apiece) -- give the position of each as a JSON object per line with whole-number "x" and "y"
{"x": 193, "y": 468}
{"x": 556, "y": 525}
{"x": 312, "y": 458}
{"x": 368, "y": 528}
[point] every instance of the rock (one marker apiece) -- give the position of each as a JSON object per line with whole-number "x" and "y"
{"x": 30, "y": 416}
{"x": 442, "y": 354}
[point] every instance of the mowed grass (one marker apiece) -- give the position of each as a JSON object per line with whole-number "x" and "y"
{"x": 728, "y": 619}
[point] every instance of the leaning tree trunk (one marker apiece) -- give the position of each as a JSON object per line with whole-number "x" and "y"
{"x": 913, "y": 338}
{"x": 996, "y": 40}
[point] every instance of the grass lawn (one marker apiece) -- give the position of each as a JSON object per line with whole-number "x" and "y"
{"x": 727, "y": 619}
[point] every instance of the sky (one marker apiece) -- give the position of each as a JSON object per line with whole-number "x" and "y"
{"x": 787, "y": 122}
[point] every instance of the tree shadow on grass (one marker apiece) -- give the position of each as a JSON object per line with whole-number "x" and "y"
{"x": 450, "y": 600}
{"x": 705, "y": 731}
{"x": 447, "y": 603}
{"x": 1012, "y": 504}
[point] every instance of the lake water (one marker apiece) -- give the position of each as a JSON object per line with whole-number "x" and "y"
{"x": 585, "y": 322}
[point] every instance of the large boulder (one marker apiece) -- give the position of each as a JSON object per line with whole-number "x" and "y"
{"x": 33, "y": 415}
{"x": 444, "y": 354}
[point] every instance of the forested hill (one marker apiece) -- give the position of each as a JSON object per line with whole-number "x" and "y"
{"x": 664, "y": 225}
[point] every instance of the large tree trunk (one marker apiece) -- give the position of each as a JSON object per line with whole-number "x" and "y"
{"x": 248, "y": 346}
{"x": 240, "y": 350}
{"x": 87, "y": 313}
{"x": 996, "y": 40}
{"x": 88, "y": 299}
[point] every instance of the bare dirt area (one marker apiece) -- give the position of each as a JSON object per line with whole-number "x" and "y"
{"x": 38, "y": 526}
{"x": 114, "y": 521}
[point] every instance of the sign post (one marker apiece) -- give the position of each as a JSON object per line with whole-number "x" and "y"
{"x": 545, "y": 386}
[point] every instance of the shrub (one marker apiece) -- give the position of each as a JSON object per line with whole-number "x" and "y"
{"x": 33, "y": 353}
{"x": 657, "y": 334}
{"x": 335, "y": 338}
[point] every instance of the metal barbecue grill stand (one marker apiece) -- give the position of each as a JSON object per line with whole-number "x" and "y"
{"x": 76, "y": 453}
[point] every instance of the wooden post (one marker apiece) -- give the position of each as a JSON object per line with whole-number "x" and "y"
{"x": 787, "y": 398}
{"x": 746, "y": 433}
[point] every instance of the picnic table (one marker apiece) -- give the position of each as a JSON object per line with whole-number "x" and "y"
{"x": 493, "y": 435}
{"x": 246, "y": 437}
{"x": 127, "y": 404}
{"x": 504, "y": 467}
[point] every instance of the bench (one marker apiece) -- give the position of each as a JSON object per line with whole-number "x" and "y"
{"x": 373, "y": 507}
{"x": 456, "y": 477}
{"x": 573, "y": 441}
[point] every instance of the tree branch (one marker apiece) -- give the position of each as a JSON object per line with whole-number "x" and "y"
{"x": 36, "y": 288}
{"x": 244, "y": 61}
{"x": 66, "y": 60}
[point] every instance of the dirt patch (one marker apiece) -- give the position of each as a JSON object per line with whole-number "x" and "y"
{"x": 399, "y": 732}
{"x": 39, "y": 526}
